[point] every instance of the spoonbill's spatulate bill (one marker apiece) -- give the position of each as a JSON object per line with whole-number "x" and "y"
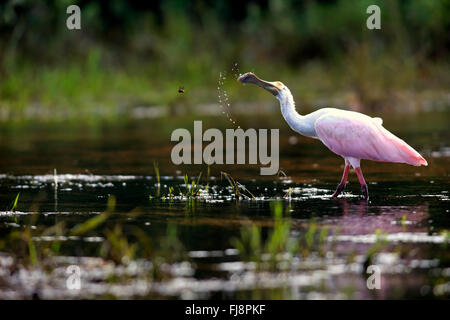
{"x": 352, "y": 135}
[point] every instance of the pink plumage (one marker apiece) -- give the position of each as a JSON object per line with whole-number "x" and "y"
{"x": 351, "y": 134}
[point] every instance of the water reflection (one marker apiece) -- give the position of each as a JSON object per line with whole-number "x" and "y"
{"x": 363, "y": 218}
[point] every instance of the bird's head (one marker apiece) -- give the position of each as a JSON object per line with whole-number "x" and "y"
{"x": 275, "y": 88}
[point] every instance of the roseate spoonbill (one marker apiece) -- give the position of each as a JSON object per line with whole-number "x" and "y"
{"x": 352, "y": 135}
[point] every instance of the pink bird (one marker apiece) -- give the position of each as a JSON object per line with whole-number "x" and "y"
{"x": 352, "y": 135}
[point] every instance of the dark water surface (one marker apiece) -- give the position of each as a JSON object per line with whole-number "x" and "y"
{"x": 217, "y": 245}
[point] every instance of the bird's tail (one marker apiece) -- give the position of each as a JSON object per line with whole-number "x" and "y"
{"x": 411, "y": 156}
{"x": 405, "y": 152}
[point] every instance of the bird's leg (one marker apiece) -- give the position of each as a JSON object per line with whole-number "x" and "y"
{"x": 341, "y": 185}
{"x": 363, "y": 183}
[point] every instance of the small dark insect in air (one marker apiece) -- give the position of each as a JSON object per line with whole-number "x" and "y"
{"x": 181, "y": 90}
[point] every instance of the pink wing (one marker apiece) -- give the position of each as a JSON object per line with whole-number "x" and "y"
{"x": 350, "y": 134}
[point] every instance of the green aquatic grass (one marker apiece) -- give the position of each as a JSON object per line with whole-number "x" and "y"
{"x": 94, "y": 222}
{"x": 14, "y": 204}
{"x": 279, "y": 240}
{"x": 446, "y": 235}
{"x": 377, "y": 247}
{"x": 117, "y": 247}
{"x": 158, "y": 179}
{"x": 249, "y": 244}
{"x": 171, "y": 189}
{"x": 122, "y": 243}
{"x": 191, "y": 188}
{"x": 31, "y": 249}
{"x": 252, "y": 246}
{"x": 310, "y": 234}
{"x": 208, "y": 172}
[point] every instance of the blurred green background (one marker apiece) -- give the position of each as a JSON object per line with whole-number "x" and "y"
{"x": 132, "y": 53}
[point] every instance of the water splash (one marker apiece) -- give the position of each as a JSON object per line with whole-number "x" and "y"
{"x": 235, "y": 70}
{"x": 222, "y": 94}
